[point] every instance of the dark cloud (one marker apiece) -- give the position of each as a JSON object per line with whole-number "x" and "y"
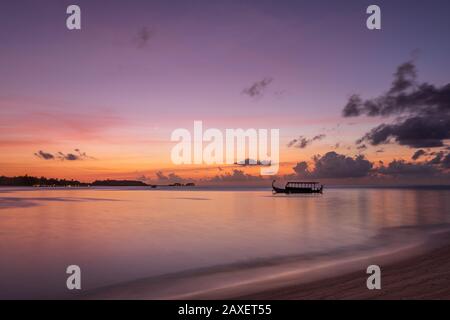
{"x": 446, "y": 161}
{"x": 404, "y": 78}
{"x": 44, "y": 155}
{"x": 403, "y": 168}
{"x": 303, "y": 142}
{"x": 69, "y": 156}
{"x": 361, "y": 147}
{"x": 438, "y": 157}
{"x": 334, "y": 165}
{"x": 353, "y": 106}
{"x": 78, "y": 155}
{"x": 419, "y": 153}
{"x": 143, "y": 36}
{"x": 257, "y": 89}
{"x": 422, "y": 111}
{"x": 415, "y": 132}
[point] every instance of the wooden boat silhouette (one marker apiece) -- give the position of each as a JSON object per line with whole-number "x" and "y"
{"x": 298, "y": 187}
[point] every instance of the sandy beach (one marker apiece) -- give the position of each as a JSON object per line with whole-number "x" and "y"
{"x": 426, "y": 276}
{"x": 419, "y": 271}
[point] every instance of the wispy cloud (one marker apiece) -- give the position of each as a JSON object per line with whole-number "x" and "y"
{"x": 44, "y": 155}
{"x": 258, "y": 88}
{"x": 143, "y": 36}
{"x": 71, "y": 156}
{"x": 161, "y": 177}
{"x": 302, "y": 142}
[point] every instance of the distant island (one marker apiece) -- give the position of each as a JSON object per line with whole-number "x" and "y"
{"x": 118, "y": 183}
{"x": 29, "y": 181}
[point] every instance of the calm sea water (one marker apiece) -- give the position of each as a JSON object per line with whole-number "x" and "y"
{"x": 118, "y": 235}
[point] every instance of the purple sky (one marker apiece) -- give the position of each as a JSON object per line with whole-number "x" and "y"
{"x": 197, "y": 60}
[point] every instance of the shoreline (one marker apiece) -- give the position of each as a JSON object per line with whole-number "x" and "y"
{"x": 329, "y": 278}
{"x": 419, "y": 276}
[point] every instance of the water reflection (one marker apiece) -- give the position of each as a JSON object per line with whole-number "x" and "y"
{"x": 121, "y": 235}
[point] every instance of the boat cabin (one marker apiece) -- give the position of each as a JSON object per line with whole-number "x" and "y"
{"x": 314, "y": 186}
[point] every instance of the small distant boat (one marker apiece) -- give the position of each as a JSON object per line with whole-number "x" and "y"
{"x": 298, "y": 187}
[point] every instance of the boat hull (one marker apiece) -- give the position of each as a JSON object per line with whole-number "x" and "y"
{"x": 288, "y": 190}
{"x": 293, "y": 191}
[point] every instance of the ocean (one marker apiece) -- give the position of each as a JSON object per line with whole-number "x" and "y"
{"x": 122, "y": 235}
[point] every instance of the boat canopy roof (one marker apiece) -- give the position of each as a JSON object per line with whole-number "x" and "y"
{"x": 302, "y": 182}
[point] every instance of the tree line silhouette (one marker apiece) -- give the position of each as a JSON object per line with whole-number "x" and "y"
{"x": 30, "y": 181}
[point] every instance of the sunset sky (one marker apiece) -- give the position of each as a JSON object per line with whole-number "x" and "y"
{"x": 102, "y": 102}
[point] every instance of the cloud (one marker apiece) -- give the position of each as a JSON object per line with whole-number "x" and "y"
{"x": 143, "y": 36}
{"x": 68, "y": 156}
{"x": 83, "y": 155}
{"x": 78, "y": 155}
{"x": 361, "y": 147}
{"x": 235, "y": 176}
{"x": 403, "y": 168}
{"x": 422, "y": 111}
{"x": 303, "y": 142}
{"x": 446, "y": 161}
{"x": 353, "y": 107}
{"x": 404, "y": 77}
{"x": 257, "y": 89}
{"x": 419, "y": 153}
{"x": 142, "y": 178}
{"x": 161, "y": 176}
{"x": 170, "y": 178}
{"x": 252, "y": 162}
{"x": 44, "y": 155}
{"x": 438, "y": 156}
{"x": 334, "y": 165}
{"x": 416, "y": 132}
{"x": 73, "y": 156}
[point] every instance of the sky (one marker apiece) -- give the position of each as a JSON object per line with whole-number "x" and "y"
{"x": 101, "y": 102}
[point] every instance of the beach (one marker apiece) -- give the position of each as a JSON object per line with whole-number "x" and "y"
{"x": 419, "y": 271}
{"x": 426, "y": 276}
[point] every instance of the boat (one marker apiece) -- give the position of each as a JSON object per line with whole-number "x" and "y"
{"x": 298, "y": 187}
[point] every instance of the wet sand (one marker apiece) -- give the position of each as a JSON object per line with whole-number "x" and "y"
{"x": 426, "y": 276}
{"x": 420, "y": 270}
